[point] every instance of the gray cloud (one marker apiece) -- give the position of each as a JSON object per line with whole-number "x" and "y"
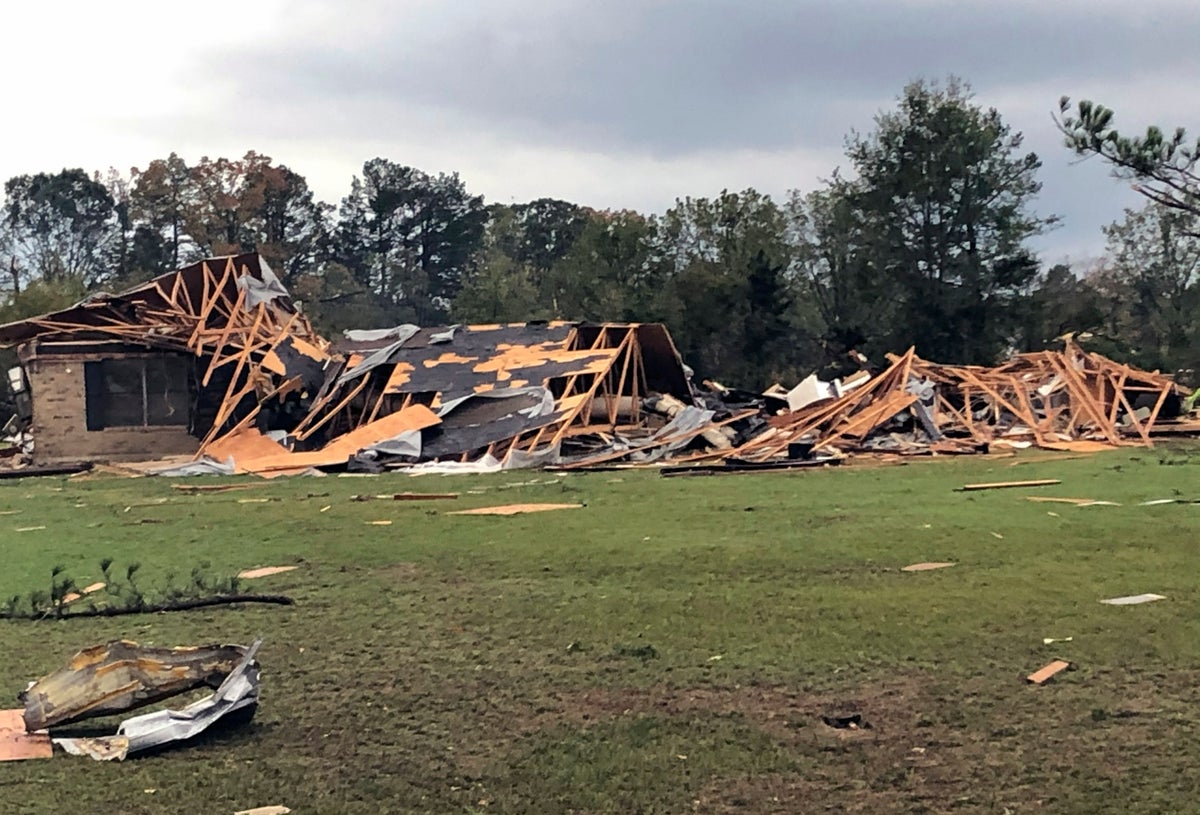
{"x": 532, "y": 96}
{"x": 668, "y": 77}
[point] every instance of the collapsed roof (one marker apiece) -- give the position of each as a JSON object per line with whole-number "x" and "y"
{"x": 1070, "y": 399}
{"x": 272, "y": 396}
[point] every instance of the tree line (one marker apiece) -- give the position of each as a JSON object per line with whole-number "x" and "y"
{"x": 924, "y": 241}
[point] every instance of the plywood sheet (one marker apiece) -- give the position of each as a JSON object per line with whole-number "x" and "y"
{"x": 278, "y": 461}
{"x": 513, "y": 509}
{"x": 16, "y": 744}
{"x": 1043, "y": 675}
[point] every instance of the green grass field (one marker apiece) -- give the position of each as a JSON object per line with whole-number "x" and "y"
{"x": 670, "y": 647}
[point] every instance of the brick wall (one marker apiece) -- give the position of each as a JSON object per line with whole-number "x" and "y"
{"x": 60, "y": 431}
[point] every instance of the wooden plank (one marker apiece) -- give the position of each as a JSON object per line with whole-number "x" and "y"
{"x": 207, "y": 302}
{"x": 1044, "y": 675}
{"x": 315, "y": 426}
{"x": 1053, "y": 499}
{"x": 1003, "y": 485}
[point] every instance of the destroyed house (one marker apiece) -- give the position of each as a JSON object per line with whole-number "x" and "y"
{"x": 215, "y": 362}
{"x": 511, "y": 394}
{"x": 157, "y": 369}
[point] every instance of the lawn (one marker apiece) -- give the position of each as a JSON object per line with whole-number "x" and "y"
{"x": 671, "y": 646}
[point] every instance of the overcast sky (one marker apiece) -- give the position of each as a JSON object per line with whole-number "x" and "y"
{"x": 608, "y": 103}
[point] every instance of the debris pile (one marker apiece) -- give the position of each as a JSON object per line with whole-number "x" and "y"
{"x": 215, "y": 365}
{"x": 1062, "y": 400}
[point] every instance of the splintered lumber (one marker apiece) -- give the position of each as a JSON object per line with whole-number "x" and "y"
{"x": 1044, "y": 675}
{"x": 1004, "y": 485}
{"x": 1070, "y": 400}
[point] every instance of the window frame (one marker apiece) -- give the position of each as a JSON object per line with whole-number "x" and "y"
{"x": 97, "y": 395}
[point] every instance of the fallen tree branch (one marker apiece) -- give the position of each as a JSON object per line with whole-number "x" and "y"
{"x": 176, "y": 605}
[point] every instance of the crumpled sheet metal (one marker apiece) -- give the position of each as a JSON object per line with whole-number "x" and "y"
{"x": 239, "y": 692}
{"x": 122, "y": 675}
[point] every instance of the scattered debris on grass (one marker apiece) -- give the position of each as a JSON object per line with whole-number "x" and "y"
{"x": 1133, "y": 600}
{"x": 264, "y": 571}
{"x": 1052, "y": 640}
{"x": 853, "y": 721}
{"x": 514, "y": 509}
{"x": 1051, "y": 499}
{"x": 925, "y": 567}
{"x": 269, "y": 810}
{"x": 207, "y": 488}
{"x": 236, "y": 698}
{"x": 119, "y": 676}
{"x": 1044, "y": 675}
{"x": 72, "y": 596}
{"x": 1004, "y": 485}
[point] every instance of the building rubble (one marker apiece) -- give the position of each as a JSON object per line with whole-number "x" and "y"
{"x": 1060, "y": 400}
{"x": 120, "y": 676}
{"x": 213, "y": 369}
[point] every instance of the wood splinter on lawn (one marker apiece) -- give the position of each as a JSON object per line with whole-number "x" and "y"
{"x": 924, "y": 567}
{"x": 264, "y": 571}
{"x": 1001, "y": 485}
{"x": 1047, "y": 673}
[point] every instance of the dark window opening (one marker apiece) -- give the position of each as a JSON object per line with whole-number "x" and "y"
{"x": 145, "y": 392}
